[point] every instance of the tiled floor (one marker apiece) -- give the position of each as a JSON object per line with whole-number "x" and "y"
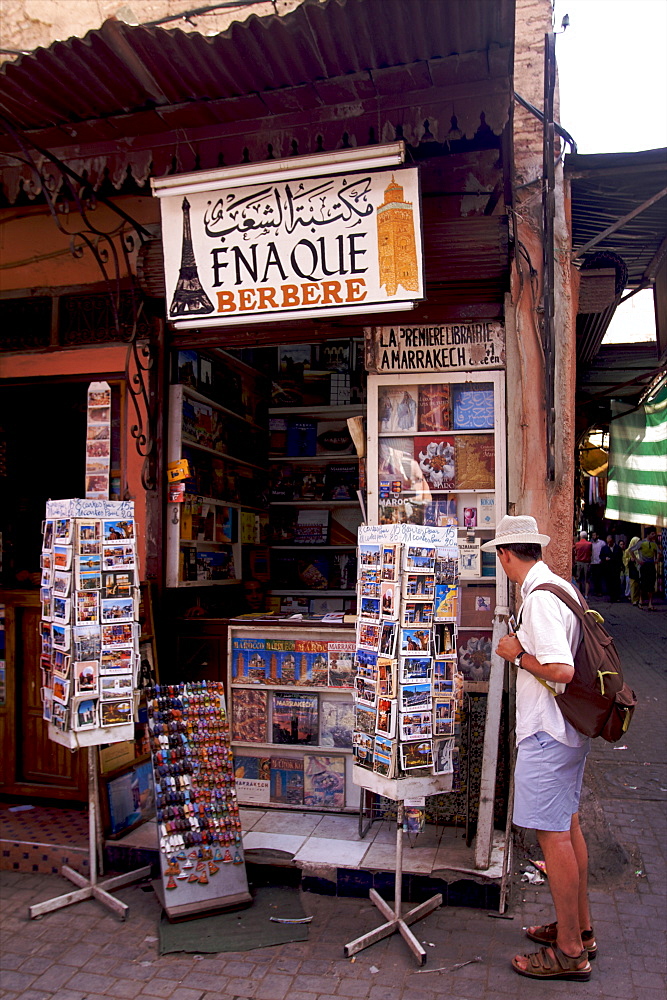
{"x": 42, "y": 839}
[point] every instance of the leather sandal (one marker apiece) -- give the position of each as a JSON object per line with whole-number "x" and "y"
{"x": 548, "y": 934}
{"x": 552, "y": 963}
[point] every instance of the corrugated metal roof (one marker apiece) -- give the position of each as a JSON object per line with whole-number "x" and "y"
{"x": 121, "y": 68}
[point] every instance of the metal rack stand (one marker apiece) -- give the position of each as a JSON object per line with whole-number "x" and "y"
{"x": 395, "y": 921}
{"x": 90, "y": 888}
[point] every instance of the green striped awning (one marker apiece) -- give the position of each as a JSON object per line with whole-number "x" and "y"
{"x": 637, "y": 482}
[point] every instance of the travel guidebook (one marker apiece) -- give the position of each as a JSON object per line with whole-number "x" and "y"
{"x": 287, "y": 781}
{"x": 295, "y": 718}
{"x": 336, "y": 723}
{"x": 249, "y": 716}
{"x": 323, "y": 781}
{"x": 252, "y": 776}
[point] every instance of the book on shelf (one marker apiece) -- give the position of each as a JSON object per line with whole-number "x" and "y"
{"x": 433, "y": 414}
{"x": 344, "y": 525}
{"x": 301, "y": 438}
{"x": 252, "y": 776}
{"x": 486, "y": 510}
{"x": 278, "y": 435}
{"x": 472, "y": 407}
{"x": 287, "y": 780}
{"x": 295, "y": 718}
{"x": 475, "y": 462}
{"x": 312, "y": 527}
{"x": 249, "y": 716}
{"x": 333, "y": 438}
{"x": 341, "y": 481}
{"x": 336, "y": 722}
{"x": 323, "y": 781}
{"x": 435, "y": 457}
{"x": 188, "y": 368}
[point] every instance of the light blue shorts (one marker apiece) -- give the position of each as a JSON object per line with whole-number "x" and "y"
{"x": 547, "y": 782}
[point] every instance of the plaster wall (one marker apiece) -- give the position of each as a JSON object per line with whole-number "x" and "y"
{"x": 27, "y": 24}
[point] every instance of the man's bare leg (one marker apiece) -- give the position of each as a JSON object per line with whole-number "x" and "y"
{"x": 563, "y": 866}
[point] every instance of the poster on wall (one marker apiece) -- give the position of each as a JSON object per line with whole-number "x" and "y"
{"x": 328, "y": 241}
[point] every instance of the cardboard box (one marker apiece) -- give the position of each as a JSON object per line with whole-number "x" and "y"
{"x": 116, "y": 755}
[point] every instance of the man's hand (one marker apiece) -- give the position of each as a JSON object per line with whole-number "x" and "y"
{"x": 509, "y": 647}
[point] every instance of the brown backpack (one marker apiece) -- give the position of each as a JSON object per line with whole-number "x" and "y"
{"x": 597, "y": 701}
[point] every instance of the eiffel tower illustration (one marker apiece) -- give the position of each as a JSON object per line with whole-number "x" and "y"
{"x": 189, "y": 296}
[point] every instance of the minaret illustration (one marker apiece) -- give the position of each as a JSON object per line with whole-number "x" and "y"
{"x": 189, "y": 296}
{"x": 397, "y": 251}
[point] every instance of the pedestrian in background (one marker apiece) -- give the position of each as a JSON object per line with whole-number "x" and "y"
{"x": 632, "y": 570}
{"x": 596, "y": 565}
{"x": 646, "y": 553}
{"x": 582, "y": 562}
{"x": 611, "y": 560}
{"x": 623, "y": 576}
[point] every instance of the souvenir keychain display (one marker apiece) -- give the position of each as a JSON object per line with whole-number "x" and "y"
{"x": 406, "y": 685}
{"x": 201, "y": 853}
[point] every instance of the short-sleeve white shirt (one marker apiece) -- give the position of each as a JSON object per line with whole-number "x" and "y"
{"x": 550, "y": 632}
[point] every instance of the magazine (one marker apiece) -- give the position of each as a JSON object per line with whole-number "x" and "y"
{"x": 253, "y": 779}
{"x": 336, "y": 723}
{"x": 323, "y": 781}
{"x": 249, "y": 716}
{"x": 295, "y": 718}
{"x": 287, "y": 780}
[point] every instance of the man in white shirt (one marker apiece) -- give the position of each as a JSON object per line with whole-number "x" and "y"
{"x": 551, "y": 754}
{"x": 596, "y": 563}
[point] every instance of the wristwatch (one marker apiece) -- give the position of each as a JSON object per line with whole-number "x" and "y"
{"x": 517, "y": 658}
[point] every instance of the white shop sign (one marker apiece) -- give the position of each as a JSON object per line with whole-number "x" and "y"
{"x": 288, "y": 247}
{"x": 477, "y": 344}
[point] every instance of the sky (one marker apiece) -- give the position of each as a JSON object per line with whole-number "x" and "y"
{"x": 612, "y": 71}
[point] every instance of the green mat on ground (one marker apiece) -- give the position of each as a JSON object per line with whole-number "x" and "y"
{"x": 241, "y": 930}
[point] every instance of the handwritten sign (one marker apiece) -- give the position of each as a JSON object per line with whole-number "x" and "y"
{"x": 473, "y": 345}
{"x": 294, "y": 248}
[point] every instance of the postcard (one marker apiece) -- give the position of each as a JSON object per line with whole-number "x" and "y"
{"x": 84, "y": 713}
{"x": 88, "y": 572}
{"x": 87, "y": 607}
{"x": 390, "y": 561}
{"x": 441, "y": 512}
{"x": 47, "y": 535}
{"x": 418, "y": 587}
{"x": 87, "y": 642}
{"x": 88, "y": 536}
{"x": 118, "y": 583}
{"x": 116, "y": 713}
{"x": 364, "y": 719}
{"x": 416, "y": 613}
{"x": 416, "y": 725}
{"x": 46, "y": 637}
{"x": 61, "y": 636}
{"x": 62, "y": 581}
{"x": 47, "y": 576}
{"x": 415, "y": 640}
{"x": 62, "y": 556}
{"x": 443, "y": 716}
{"x": 415, "y": 668}
{"x": 369, "y": 583}
{"x": 116, "y": 686}
{"x": 443, "y": 756}
{"x": 415, "y": 697}
{"x": 442, "y": 678}
{"x": 388, "y": 639}
{"x": 369, "y": 557}
{"x": 62, "y": 531}
{"x": 390, "y": 594}
{"x": 369, "y": 635}
{"x": 365, "y": 691}
{"x": 446, "y": 602}
{"x": 323, "y": 781}
{"x": 86, "y": 677}
{"x": 384, "y": 750}
{"x": 445, "y": 639}
{"x": 362, "y": 748}
{"x": 416, "y": 755}
{"x": 61, "y": 608}
{"x": 118, "y": 556}
{"x": 61, "y": 690}
{"x": 61, "y": 662}
{"x": 60, "y": 716}
{"x": 386, "y": 677}
{"x": 116, "y": 660}
{"x": 446, "y": 565}
{"x": 113, "y": 531}
{"x": 97, "y": 449}
{"x": 47, "y": 704}
{"x": 385, "y": 724}
{"x": 117, "y": 609}
{"x": 46, "y": 597}
{"x": 120, "y": 634}
{"x": 369, "y": 609}
{"x": 419, "y": 558}
{"x": 366, "y": 664}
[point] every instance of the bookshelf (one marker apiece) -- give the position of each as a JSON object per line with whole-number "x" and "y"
{"x": 291, "y": 710}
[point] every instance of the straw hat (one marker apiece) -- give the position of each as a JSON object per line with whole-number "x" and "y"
{"x": 516, "y": 531}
